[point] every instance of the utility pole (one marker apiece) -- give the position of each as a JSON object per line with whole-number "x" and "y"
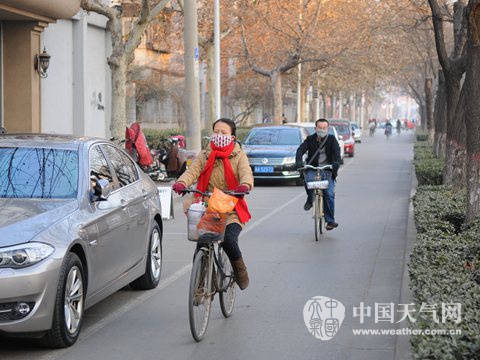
{"x": 192, "y": 87}
{"x": 216, "y": 44}
{"x": 299, "y": 93}
{"x": 299, "y": 68}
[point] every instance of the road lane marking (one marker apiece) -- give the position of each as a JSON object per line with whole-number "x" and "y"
{"x": 86, "y": 333}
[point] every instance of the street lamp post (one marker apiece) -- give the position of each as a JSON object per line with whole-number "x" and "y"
{"x": 192, "y": 86}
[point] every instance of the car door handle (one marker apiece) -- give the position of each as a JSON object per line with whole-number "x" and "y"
{"x": 144, "y": 193}
{"x": 123, "y": 203}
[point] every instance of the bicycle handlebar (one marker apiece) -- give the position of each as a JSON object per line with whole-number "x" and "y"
{"x": 324, "y": 167}
{"x": 207, "y": 193}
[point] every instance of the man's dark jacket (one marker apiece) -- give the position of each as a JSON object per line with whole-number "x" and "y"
{"x": 312, "y": 143}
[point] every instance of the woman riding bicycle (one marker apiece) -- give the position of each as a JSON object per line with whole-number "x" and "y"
{"x": 223, "y": 165}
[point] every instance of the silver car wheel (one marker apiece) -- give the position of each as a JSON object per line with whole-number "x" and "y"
{"x": 73, "y": 304}
{"x": 156, "y": 254}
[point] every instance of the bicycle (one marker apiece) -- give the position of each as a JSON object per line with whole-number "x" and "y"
{"x": 212, "y": 273}
{"x": 321, "y": 183}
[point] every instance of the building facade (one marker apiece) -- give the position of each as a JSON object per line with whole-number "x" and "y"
{"x": 74, "y": 98}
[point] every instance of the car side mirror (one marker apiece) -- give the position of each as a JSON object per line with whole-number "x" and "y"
{"x": 102, "y": 189}
{"x": 340, "y": 137}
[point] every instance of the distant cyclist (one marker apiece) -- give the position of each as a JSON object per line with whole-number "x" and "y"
{"x": 388, "y": 128}
{"x": 399, "y": 126}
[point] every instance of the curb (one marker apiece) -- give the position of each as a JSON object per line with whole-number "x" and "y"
{"x": 402, "y": 343}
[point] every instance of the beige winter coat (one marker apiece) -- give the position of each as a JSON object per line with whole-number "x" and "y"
{"x": 240, "y": 166}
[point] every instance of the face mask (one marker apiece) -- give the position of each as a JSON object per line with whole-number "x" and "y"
{"x": 221, "y": 140}
{"x": 322, "y": 133}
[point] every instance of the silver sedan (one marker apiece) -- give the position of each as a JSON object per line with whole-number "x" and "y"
{"x": 78, "y": 221}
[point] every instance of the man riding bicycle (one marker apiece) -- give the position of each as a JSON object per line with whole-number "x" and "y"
{"x": 323, "y": 149}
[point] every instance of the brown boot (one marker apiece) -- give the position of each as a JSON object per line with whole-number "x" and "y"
{"x": 241, "y": 275}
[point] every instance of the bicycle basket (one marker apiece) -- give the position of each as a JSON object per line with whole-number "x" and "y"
{"x": 194, "y": 215}
{"x": 210, "y": 228}
{"x": 320, "y": 184}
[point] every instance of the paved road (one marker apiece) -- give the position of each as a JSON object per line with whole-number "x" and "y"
{"x": 361, "y": 261}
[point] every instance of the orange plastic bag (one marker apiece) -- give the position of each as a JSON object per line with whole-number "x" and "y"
{"x": 212, "y": 227}
{"x": 220, "y": 202}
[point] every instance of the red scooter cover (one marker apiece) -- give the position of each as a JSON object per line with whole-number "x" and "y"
{"x": 135, "y": 140}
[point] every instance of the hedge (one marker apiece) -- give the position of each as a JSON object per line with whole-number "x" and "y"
{"x": 421, "y": 135}
{"x": 444, "y": 268}
{"x": 428, "y": 168}
{"x": 154, "y": 136}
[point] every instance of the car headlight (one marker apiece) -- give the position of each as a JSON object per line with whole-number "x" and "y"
{"x": 24, "y": 255}
{"x": 288, "y": 161}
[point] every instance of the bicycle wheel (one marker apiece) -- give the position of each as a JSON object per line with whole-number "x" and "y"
{"x": 226, "y": 284}
{"x": 318, "y": 216}
{"x": 199, "y": 299}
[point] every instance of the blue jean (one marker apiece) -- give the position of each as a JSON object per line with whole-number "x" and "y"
{"x": 328, "y": 196}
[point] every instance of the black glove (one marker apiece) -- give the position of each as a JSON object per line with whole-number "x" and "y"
{"x": 298, "y": 165}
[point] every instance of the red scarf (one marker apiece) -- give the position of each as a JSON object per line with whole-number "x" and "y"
{"x": 232, "y": 182}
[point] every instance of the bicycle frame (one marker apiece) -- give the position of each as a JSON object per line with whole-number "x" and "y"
{"x": 214, "y": 268}
{"x": 211, "y": 273}
{"x": 318, "y": 186}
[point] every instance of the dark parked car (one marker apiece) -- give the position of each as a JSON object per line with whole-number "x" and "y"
{"x": 78, "y": 221}
{"x": 271, "y": 152}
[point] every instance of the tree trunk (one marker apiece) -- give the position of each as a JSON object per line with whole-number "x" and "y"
{"x": 423, "y": 112}
{"x": 472, "y": 85}
{"x": 276, "y": 79}
{"x": 323, "y": 111}
{"x": 455, "y": 152}
{"x": 440, "y": 117}
{"x": 119, "y": 98}
{"x": 428, "y": 105}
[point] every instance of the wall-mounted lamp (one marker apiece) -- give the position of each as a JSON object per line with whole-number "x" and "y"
{"x": 117, "y": 5}
{"x": 41, "y": 63}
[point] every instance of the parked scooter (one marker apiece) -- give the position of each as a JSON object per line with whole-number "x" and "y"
{"x": 177, "y": 158}
{"x": 149, "y": 160}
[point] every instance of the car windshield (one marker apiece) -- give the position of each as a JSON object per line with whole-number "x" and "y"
{"x": 38, "y": 173}
{"x": 273, "y": 137}
{"x": 342, "y": 129}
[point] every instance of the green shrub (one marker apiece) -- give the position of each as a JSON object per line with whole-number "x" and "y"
{"x": 242, "y": 133}
{"x": 154, "y": 136}
{"x": 422, "y": 150}
{"x": 444, "y": 267}
{"x": 440, "y": 208}
{"x": 428, "y": 169}
{"x": 421, "y": 135}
